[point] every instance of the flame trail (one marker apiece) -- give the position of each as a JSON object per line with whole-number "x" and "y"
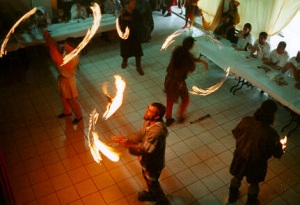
{"x": 116, "y": 102}
{"x": 97, "y": 146}
{"x": 23, "y": 18}
{"x": 169, "y": 40}
{"x": 283, "y": 142}
{"x": 122, "y": 35}
{"x": 207, "y": 91}
{"x": 89, "y": 34}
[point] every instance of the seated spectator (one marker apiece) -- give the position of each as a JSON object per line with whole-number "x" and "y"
{"x": 59, "y": 16}
{"x": 111, "y": 7}
{"x": 66, "y": 6}
{"x": 78, "y": 11}
{"x": 261, "y": 47}
{"x": 292, "y": 68}
{"x": 278, "y": 57}
{"x": 233, "y": 11}
{"x": 41, "y": 17}
{"x": 226, "y": 28}
{"x": 244, "y": 38}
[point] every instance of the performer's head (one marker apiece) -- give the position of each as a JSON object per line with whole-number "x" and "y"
{"x": 155, "y": 112}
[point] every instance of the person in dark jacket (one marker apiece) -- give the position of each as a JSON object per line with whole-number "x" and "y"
{"x": 256, "y": 142}
{"x": 150, "y": 145}
{"x": 131, "y": 46}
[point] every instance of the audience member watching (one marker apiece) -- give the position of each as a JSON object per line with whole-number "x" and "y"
{"x": 78, "y": 11}
{"x": 41, "y": 17}
{"x": 226, "y": 28}
{"x": 278, "y": 57}
{"x": 112, "y": 7}
{"x": 260, "y": 48}
{"x": 144, "y": 8}
{"x": 59, "y": 16}
{"x": 66, "y": 6}
{"x": 292, "y": 68}
{"x": 233, "y": 11}
{"x": 244, "y": 38}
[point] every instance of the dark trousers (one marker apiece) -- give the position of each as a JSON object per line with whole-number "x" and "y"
{"x": 154, "y": 187}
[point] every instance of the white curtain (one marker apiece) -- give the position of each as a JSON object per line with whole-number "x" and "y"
{"x": 270, "y": 16}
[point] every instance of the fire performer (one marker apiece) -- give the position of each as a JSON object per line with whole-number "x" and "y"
{"x": 256, "y": 142}
{"x": 66, "y": 80}
{"x": 150, "y": 144}
{"x": 132, "y": 46}
{"x": 181, "y": 64}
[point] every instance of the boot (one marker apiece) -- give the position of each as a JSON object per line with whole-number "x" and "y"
{"x": 138, "y": 65}
{"x": 252, "y": 199}
{"x": 233, "y": 194}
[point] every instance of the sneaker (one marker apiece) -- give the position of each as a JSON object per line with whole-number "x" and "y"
{"x": 62, "y": 115}
{"x": 169, "y": 121}
{"x": 75, "y": 121}
{"x": 145, "y": 196}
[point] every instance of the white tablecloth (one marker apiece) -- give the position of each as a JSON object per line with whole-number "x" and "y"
{"x": 247, "y": 69}
{"x": 73, "y": 28}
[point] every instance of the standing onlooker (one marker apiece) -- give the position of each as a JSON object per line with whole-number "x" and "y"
{"x": 144, "y": 8}
{"x": 256, "y": 142}
{"x": 150, "y": 145}
{"x": 278, "y": 57}
{"x": 244, "y": 38}
{"x": 233, "y": 11}
{"x": 66, "y": 80}
{"x": 261, "y": 47}
{"x": 191, "y": 8}
{"x": 131, "y": 46}
{"x": 181, "y": 64}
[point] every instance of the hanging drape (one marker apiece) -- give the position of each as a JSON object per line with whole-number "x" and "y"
{"x": 270, "y": 16}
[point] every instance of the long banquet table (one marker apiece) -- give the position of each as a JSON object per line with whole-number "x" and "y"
{"x": 247, "y": 68}
{"x": 61, "y": 31}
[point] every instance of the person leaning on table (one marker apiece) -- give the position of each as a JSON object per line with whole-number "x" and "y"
{"x": 278, "y": 57}
{"x": 261, "y": 47}
{"x": 66, "y": 80}
{"x": 292, "y": 69}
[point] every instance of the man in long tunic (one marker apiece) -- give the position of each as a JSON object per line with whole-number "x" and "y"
{"x": 256, "y": 142}
{"x": 66, "y": 81}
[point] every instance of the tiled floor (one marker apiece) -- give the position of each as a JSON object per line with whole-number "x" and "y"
{"x": 49, "y": 162}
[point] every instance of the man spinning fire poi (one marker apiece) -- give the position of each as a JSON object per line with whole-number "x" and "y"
{"x": 150, "y": 144}
{"x": 66, "y": 80}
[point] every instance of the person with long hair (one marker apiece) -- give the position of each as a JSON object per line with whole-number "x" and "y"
{"x": 181, "y": 64}
{"x": 256, "y": 142}
{"x": 244, "y": 38}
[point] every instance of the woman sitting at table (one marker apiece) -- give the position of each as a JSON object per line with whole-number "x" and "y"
{"x": 244, "y": 38}
{"x": 261, "y": 47}
{"x": 41, "y": 17}
{"x": 226, "y": 28}
{"x": 78, "y": 11}
{"x": 292, "y": 69}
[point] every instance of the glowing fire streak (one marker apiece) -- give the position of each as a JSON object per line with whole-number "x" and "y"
{"x": 170, "y": 40}
{"x": 207, "y": 91}
{"x": 122, "y": 35}
{"x": 23, "y": 18}
{"x": 116, "y": 102}
{"x": 213, "y": 40}
{"x": 283, "y": 142}
{"x": 96, "y": 146}
{"x": 89, "y": 34}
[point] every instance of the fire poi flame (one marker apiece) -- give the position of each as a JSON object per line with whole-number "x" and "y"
{"x": 96, "y": 145}
{"x": 116, "y": 102}
{"x": 89, "y": 34}
{"x": 122, "y": 35}
{"x": 169, "y": 40}
{"x": 12, "y": 30}
{"x": 283, "y": 142}
{"x": 207, "y": 91}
